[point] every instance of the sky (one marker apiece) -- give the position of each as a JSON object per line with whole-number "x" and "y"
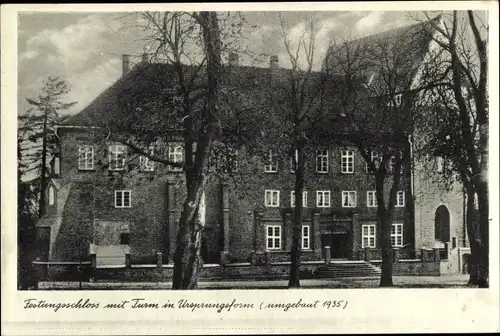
{"x": 85, "y": 48}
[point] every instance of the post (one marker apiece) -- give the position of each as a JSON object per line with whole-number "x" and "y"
{"x": 327, "y": 255}
{"x": 224, "y": 255}
{"x": 436, "y": 253}
{"x": 128, "y": 263}
{"x": 367, "y": 254}
{"x": 423, "y": 254}
{"x": 159, "y": 261}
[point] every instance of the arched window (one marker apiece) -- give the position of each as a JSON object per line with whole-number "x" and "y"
{"x": 52, "y": 195}
{"x": 442, "y": 224}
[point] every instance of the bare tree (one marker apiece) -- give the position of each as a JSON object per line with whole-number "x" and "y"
{"x": 377, "y": 105}
{"x": 303, "y": 97}
{"x": 460, "y": 101}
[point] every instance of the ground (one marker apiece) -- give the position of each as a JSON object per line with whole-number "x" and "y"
{"x": 399, "y": 282}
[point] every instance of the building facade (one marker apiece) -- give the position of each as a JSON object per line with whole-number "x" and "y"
{"x": 106, "y": 200}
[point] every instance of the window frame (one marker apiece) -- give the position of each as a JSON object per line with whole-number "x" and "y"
{"x": 271, "y": 192}
{"x": 123, "y": 191}
{"x": 274, "y": 238}
{"x": 323, "y": 192}
{"x": 304, "y": 198}
{"x": 144, "y": 161}
{"x": 294, "y": 160}
{"x": 369, "y": 235}
{"x": 374, "y": 155}
{"x": 374, "y": 204}
{"x": 348, "y": 192}
{"x": 115, "y": 153}
{"x": 81, "y": 150}
{"x": 322, "y": 155}
{"x": 349, "y": 154}
{"x": 395, "y": 235}
{"x": 270, "y": 166}
{"x": 51, "y": 195}
{"x": 303, "y": 237}
{"x": 174, "y": 150}
{"x": 402, "y": 204}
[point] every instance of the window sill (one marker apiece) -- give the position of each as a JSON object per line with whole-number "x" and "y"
{"x": 321, "y": 173}
{"x": 86, "y": 170}
{"x": 271, "y": 172}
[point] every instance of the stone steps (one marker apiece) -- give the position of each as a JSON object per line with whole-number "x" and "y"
{"x": 347, "y": 270}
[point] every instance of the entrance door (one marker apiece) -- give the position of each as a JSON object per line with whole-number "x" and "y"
{"x": 338, "y": 248}
{"x": 337, "y": 242}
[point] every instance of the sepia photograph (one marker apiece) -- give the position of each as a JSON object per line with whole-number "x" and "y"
{"x": 213, "y": 150}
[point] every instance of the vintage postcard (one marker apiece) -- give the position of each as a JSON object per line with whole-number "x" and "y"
{"x": 250, "y": 168}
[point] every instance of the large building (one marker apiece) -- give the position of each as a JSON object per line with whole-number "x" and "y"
{"x": 104, "y": 199}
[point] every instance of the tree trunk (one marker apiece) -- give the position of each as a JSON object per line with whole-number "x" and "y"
{"x": 43, "y": 173}
{"x": 482, "y": 260}
{"x": 386, "y": 276}
{"x": 187, "y": 259}
{"x": 471, "y": 232}
{"x": 294, "y": 278}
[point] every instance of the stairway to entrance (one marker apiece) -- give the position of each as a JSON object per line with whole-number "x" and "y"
{"x": 346, "y": 269}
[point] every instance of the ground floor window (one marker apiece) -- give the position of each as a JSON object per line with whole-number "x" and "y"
{"x": 273, "y": 237}
{"x": 368, "y": 235}
{"x": 306, "y": 237}
{"x": 397, "y": 235}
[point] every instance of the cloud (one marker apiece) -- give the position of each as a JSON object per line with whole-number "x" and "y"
{"x": 369, "y": 21}
{"x": 73, "y": 53}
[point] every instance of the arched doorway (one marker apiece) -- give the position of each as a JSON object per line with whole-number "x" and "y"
{"x": 442, "y": 224}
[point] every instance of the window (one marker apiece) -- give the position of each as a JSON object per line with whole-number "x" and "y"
{"x": 176, "y": 155}
{"x": 375, "y": 158}
{"x": 294, "y": 160}
{"x": 347, "y": 161}
{"x": 322, "y": 161}
{"x": 144, "y": 163}
{"x": 392, "y": 165}
{"x": 57, "y": 164}
{"x": 117, "y": 156}
{"x": 123, "y": 199}
{"x": 400, "y": 199}
{"x": 323, "y": 198}
{"x": 371, "y": 199}
{"x": 85, "y": 157}
{"x": 272, "y": 198}
{"x": 368, "y": 236}
{"x": 397, "y": 235}
{"x": 273, "y": 237}
{"x": 271, "y": 165}
{"x": 306, "y": 237}
{"x": 52, "y": 195}
{"x": 348, "y": 199}
{"x": 304, "y": 198}
{"x": 125, "y": 234}
{"x": 395, "y": 101}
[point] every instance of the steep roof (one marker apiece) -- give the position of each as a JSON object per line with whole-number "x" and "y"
{"x": 398, "y": 51}
{"x": 150, "y": 90}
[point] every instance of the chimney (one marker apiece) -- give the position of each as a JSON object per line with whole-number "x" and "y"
{"x": 145, "y": 57}
{"x": 234, "y": 59}
{"x": 125, "y": 64}
{"x": 274, "y": 62}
